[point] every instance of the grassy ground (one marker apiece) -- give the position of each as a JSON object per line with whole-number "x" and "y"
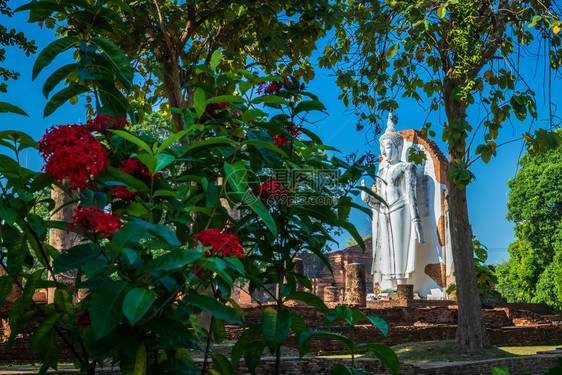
{"x": 526, "y": 350}
{"x": 431, "y": 351}
{"x": 445, "y": 351}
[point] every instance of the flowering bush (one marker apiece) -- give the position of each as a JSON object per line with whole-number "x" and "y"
{"x": 93, "y": 221}
{"x": 167, "y": 227}
{"x": 225, "y": 244}
{"x": 72, "y": 153}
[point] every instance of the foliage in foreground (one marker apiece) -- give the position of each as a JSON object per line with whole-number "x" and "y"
{"x": 166, "y": 227}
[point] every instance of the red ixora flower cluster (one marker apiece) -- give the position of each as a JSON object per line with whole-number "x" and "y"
{"x": 136, "y": 169}
{"x": 274, "y": 87}
{"x": 101, "y": 123}
{"x": 94, "y": 220}
{"x": 221, "y": 243}
{"x": 271, "y": 189}
{"x": 371, "y": 158}
{"x": 279, "y": 139}
{"x": 71, "y": 151}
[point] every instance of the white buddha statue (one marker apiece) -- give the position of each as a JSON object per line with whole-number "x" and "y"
{"x": 396, "y": 225}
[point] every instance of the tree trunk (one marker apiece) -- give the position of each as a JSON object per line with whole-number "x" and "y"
{"x": 173, "y": 86}
{"x": 62, "y": 240}
{"x": 471, "y": 332}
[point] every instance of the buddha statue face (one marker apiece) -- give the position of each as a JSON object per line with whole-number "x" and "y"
{"x": 389, "y": 151}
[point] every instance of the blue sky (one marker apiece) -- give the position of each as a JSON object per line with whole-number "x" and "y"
{"x": 487, "y": 196}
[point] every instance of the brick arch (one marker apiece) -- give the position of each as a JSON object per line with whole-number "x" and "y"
{"x": 439, "y": 160}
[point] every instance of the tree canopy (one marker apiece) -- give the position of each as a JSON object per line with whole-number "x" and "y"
{"x": 450, "y": 55}
{"x": 534, "y": 270}
{"x": 167, "y": 39}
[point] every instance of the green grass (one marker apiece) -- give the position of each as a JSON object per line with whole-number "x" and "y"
{"x": 447, "y": 351}
{"x": 527, "y": 350}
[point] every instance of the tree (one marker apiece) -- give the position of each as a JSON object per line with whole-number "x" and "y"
{"x": 534, "y": 269}
{"x": 11, "y": 38}
{"x": 458, "y": 54}
{"x": 167, "y": 39}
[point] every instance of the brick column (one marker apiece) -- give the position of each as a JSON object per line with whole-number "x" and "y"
{"x": 355, "y": 289}
{"x": 405, "y": 292}
{"x": 331, "y": 294}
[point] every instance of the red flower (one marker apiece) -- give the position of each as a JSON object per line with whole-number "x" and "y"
{"x": 101, "y": 123}
{"x": 215, "y": 107}
{"x": 225, "y": 244}
{"x": 274, "y": 87}
{"x": 94, "y": 220}
{"x": 293, "y": 129}
{"x": 279, "y": 140}
{"x": 271, "y": 189}
{"x": 370, "y": 158}
{"x": 71, "y": 151}
{"x": 121, "y": 192}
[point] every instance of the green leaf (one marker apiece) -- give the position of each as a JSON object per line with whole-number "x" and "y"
{"x": 31, "y": 285}
{"x": 358, "y": 316}
{"x": 252, "y": 355}
{"x": 211, "y": 141}
{"x": 62, "y": 97}
{"x": 117, "y": 57}
{"x": 499, "y": 371}
{"x": 385, "y": 354}
{"x": 55, "y": 78}
{"x": 275, "y": 327}
{"x": 213, "y": 307}
{"x": 309, "y": 105}
{"x": 305, "y": 336}
{"x": 199, "y": 101}
{"x": 10, "y": 108}
{"x": 219, "y": 332}
{"x": 252, "y": 114}
{"x": 391, "y": 51}
{"x": 441, "y": 11}
{"x": 126, "y": 178}
{"x": 170, "y": 140}
{"x": 261, "y": 210}
{"x": 106, "y": 308}
{"x": 43, "y": 330}
{"x": 340, "y": 369}
{"x": 162, "y": 161}
{"x": 244, "y": 340}
{"x": 75, "y": 257}
{"x": 222, "y": 365}
{"x": 137, "y": 303}
{"x": 269, "y": 99}
{"x": 310, "y": 299}
{"x": 131, "y": 138}
{"x": 50, "y": 52}
{"x": 174, "y": 260}
{"x": 226, "y": 99}
{"x": 6, "y": 284}
{"x": 164, "y": 233}
{"x": 216, "y": 58}
{"x": 266, "y": 145}
{"x": 237, "y": 176}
